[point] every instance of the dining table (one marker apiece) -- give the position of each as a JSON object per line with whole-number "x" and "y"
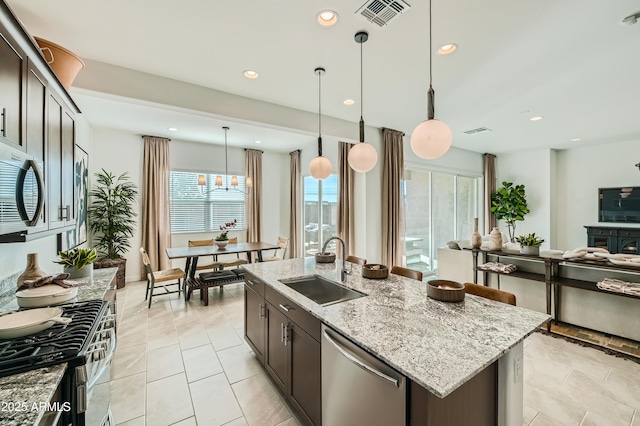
{"x": 191, "y": 254}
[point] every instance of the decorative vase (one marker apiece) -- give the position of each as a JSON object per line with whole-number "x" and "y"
{"x": 222, "y": 244}
{"x": 64, "y": 63}
{"x": 535, "y": 251}
{"x": 476, "y": 238}
{"x": 74, "y": 273}
{"x": 32, "y": 271}
{"x": 495, "y": 239}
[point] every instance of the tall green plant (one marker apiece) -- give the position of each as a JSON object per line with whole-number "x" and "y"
{"x": 111, "y": 214}
{"x": 509, "y": 203}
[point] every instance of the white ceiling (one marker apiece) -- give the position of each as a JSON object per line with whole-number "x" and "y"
{"x": 571, "y": 61}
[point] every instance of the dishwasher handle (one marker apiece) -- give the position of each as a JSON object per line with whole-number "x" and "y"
{"x": 357, "y": 362}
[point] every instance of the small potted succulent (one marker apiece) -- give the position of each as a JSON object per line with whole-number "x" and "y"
{"x": 530, "y": 244}
{"x": 222, "y": 240}
{"x": 78, "y": 262}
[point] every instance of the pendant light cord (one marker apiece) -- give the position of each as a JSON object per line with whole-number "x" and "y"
{"x": 430, "y": 46}
{"x": 319, "y": 114}
{"x": 226, "y": 170}
{"x": 361, "y": 97}
{"x": 431, "y": 113}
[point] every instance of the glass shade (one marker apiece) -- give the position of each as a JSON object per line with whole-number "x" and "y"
{"x": 249, "y": 182}
{"x": 202, "y": 180}
{"x": 234, "y": 180}
{"x": 320, "y": 167}
{"x": 431, "y": 139}
{"x": 362, "y": 157}
{"x": 218, "y": 180}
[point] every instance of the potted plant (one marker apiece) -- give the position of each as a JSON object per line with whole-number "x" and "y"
{"x": 111, "y": 219}
{"x": 77, "y": 262}
{"x": 509, "y": 203}
{"x": 529, "y": 244}
{"x": 222, "y": 240}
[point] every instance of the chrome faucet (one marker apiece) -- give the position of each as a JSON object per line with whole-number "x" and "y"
{"x": 344, "y": 272}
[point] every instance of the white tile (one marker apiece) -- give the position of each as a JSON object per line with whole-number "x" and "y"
{"x": 191, "y": 421}
{"x": 636, "y": 419}
{"x": 128, "y": 397}
{"x": 213, "y": 401}
{"x": 138, "y": 421}
{"x": 237, "y": 422}
{"x": 260, "y": 401}
{"x": 554, "y": 406}
{"x": 238, "y": 363}
{"x": 162, "y": 338}
{"x": 545, "y": 420}
{"x": 168, "y": 401}
{"x": 528, "y": 414}
{"x": 201, "y": 362}
{"x": 164, "y": 362}
{"x": 192, "y": 336}
{"x": 291, "y": 421}
{"x": 129, "y": 360}
{"x": 223, "y": 337}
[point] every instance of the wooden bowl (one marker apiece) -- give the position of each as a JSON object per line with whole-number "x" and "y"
{"x": 325, "y": 257}
{"x": 445, "y": 290}
{"x": 375, "y": 271}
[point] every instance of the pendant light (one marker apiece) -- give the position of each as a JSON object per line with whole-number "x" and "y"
{"x": 320, "y": 167}
{"x": 432, "y": 138}
{"x": 202, "y": 181}
{"x": 362, "y": 156}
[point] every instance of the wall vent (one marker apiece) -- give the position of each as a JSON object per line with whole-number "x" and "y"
{"x": 478, "y": 130}
{"x": 380, "y": 12}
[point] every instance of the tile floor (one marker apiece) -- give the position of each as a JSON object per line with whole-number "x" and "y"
{"x": 186, "y": 364}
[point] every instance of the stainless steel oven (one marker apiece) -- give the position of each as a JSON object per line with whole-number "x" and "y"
{"x": 21, "y": 192}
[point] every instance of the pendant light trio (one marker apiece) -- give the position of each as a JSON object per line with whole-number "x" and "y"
{"x": 431, "y": 139}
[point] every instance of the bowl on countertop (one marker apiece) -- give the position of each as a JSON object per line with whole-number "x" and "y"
{"x": 445, "y": 290}
{"x": 325, "y": 257}
{"x": 375, "y": 271}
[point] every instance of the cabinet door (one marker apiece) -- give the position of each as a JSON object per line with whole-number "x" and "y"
{"x": 254, "y": 322}
{"x": 12, "y": 64}
{"x": 36, "y": 113}
{"x": 304, "y": 388}
{"x": 276, "y": 350}
{"x": 68, "y": 144}
{"x": 53, "y": 164}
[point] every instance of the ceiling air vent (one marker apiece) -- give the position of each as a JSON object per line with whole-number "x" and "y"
{"x": 380, "y": 12}
{"x": 478, "y": 130}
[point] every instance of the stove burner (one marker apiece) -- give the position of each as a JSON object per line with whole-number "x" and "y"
{"x": 59, "y": 343}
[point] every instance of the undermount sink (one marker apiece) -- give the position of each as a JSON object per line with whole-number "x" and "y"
{"x": 321, "y": 290}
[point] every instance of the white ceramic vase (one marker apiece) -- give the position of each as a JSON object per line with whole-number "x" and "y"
{"x": 476, "y": 238}
{"x": 222, "y": 244}
{"x": 495, "y": 239}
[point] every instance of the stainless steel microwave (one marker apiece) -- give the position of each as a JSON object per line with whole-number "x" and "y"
{"x": 21, "y": 193}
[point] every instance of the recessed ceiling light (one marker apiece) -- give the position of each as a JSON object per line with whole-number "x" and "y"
{"x": 576, "y": 140}
{"x": 258, "y": 141}
{"x": 447, "y": 48}
{"x": 327, "y": 18}
{"x": 250, "y": 74}
{"x": 349, "y": 102}
{"x": 172, "y": 129}
{"x": 539, "y": 117}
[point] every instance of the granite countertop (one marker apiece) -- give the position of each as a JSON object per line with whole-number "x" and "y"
{"x": 21, "y": 395}
{"x": 93, "y": 288}
{"x": 438, "y": 345}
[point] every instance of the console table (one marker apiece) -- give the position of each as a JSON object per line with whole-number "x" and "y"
{"x": 614, "y": 239}
{"x": 556, "y": 273}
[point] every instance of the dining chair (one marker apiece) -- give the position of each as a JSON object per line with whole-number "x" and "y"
{"x": 357, "y": 260}
{"x": 490, "y": 293}
{"x": 282, "y": 244}
{"x": 406, "y": 272}
{"x": 205, "y": 243}
{"x": 157, "y": 277}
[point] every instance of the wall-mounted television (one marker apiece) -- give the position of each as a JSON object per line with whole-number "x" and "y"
{"x": 621, "y": 205}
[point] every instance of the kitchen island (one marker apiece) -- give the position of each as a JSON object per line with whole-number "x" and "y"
{"x": 440, "y": 347}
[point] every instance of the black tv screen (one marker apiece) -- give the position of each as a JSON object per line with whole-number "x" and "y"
{"x": 619, "y": 204}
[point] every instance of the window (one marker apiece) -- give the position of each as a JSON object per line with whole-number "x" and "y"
{"x": 320, "y": 212}
{"x": 197, "y": 208}
{"x": 439, "y": 207}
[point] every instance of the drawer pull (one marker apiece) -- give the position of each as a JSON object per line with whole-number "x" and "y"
{"x": 286, "y": 308}
{"x": 250, "y": 282}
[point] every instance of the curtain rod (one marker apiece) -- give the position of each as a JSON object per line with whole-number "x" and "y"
{"x": 159, "y": 137}
{"x": 251, "y": 149}
{"x": 386, "y": 128}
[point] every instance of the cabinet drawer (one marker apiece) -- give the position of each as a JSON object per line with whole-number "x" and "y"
{"x": 295, "y": 313}
{"x": 254, "y": 283}
{"x": 592, "y": 231}
{"x": 631, "y": 233}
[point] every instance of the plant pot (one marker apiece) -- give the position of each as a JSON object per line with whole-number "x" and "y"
{"x": 531, "y": 250}
{"x": 121, "y": 264}
{"x": 85, "y": 272}
{"x": 222, "y": 244}
{"x": 64, "y": 63}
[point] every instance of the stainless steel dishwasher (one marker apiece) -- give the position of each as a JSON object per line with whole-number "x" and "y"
{"x": 357, "y": 388}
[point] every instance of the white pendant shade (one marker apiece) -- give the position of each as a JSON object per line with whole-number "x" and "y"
{"x": 320, "y": 167}
{"x": 218, "y": 180}
{"x": 431, "y": 139}
{"x": 362, "y": 157}
{"x": 234, "y": 180}
{"x": 201, "y": 180}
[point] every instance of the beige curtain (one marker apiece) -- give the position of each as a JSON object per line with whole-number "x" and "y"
{"x": 393, "y": 247}
{"x": 346, "y": 198}
{"x": 155, "y": 217}
{"x": 253, "y": 170}
{"x": 295, "y": 243}
{"x": 489, "y": 188}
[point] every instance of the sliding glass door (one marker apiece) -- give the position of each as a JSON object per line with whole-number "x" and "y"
{"x": 319, "y": 213}
{"x": 439, "y": 207}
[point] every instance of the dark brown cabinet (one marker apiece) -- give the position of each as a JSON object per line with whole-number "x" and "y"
{"x": 36, "y": 117}
{"x": 615, "y": 240}
{"x": 12, "y": 66}
{"x": 286, "y": 341}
